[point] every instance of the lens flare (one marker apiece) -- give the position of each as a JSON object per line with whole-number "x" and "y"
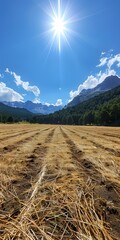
{"x": 60, "y": 24}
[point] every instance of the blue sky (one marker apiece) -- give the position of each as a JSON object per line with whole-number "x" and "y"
{"x": 32, "y": 69}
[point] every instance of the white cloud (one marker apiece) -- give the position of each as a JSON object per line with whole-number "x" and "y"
{"x": 36, "y": 100}
{"x": 1, "y": 75}
{"x": 93, "y": 80}
{"x": 25, "y": 85}
{"x": 90, "y": 82}
{"x": 110, "y": 61}
{"x": 113, "y": 60}
{"x": 103, "y": 53}
{"x": 7, "y": 71}
{"x": 59, "y": 102}
{"x": 8, "y": 94}
{"x": 103, "y": 61}
{"x": 47, "y": 104}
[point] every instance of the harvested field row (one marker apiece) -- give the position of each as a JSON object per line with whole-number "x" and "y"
{"x": 56, "y": 184}
{"x": 8, "y": 145}
{"x": 99, "y": 139}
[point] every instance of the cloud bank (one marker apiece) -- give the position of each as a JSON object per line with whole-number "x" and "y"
{"x": 8, "y": 94}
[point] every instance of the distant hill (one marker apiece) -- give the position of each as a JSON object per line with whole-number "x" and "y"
{"x": 11, "y": 114}
{"x": 108, "y": 84}
{"x": 103, "y": 109}
{"x": 37, "y": 108}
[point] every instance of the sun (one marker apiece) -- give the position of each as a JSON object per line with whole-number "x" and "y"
{"x": 59, "y": 24}
{"x": 59, "y": 29}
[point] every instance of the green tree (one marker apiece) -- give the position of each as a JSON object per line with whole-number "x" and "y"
{"x": 104, "y": 116}
{"x": 10, "y": 119}
{"x": 88, "y": 117}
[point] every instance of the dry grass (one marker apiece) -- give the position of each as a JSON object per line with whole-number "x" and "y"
{"x": 57, "y": 185}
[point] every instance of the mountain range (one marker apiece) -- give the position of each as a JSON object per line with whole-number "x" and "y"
{"x": 108, "y": 84}
{"x": 37, "y": 108}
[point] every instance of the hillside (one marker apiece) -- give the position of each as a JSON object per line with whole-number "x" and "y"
{"x": 108, "y": 84}
{"x": 10, "y": 114}
{"x": 101, "y": 110}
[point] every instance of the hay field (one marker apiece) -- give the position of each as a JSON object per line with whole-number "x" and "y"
{"x": 59, "y": 182}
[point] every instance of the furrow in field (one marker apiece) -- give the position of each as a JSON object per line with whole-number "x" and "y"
{"x": 20, "y": 188}
{"x": 17, "y": 141}
{"x": 107, "y": 137}
{"x": 59, "y": 186}
{"x": 109, "y": 131}
{"x": 79, "y": 159}
{"x": 105, "y": 163}
{"x": 111, "y": 150}
{"x": 100, "y": 141}
{"x": 60, "y": 205}
{"x": 106, "y": 191}
{"x": 98, "y": 134}
{"x": 112, "y": 135}
{"x": 19, "y": 133}
{"x": 96, "y": 153}
{"x": 7, "y": 129}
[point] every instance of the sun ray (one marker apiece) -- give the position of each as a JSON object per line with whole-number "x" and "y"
{"x": 60, "y": 23}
